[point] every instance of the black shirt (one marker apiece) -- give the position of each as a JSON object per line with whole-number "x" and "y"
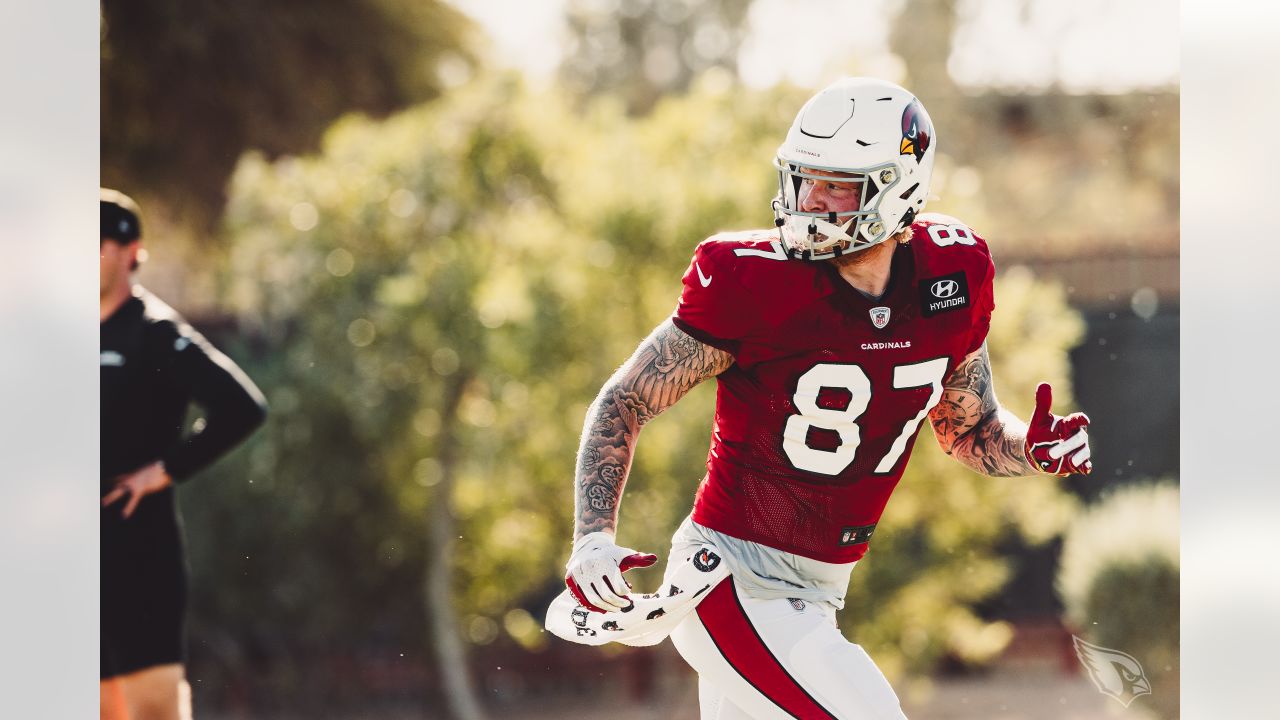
{"x": 153, "y": 366}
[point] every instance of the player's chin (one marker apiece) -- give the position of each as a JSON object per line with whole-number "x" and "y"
{"x": 850, "y": 257}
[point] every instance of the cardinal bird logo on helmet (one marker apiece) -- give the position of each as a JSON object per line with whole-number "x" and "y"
{"x": 917, "y": 131}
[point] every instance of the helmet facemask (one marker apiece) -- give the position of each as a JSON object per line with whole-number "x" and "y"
{"x": 825, "y": 235}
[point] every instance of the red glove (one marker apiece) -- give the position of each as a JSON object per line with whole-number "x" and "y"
{"x": 1057, "y": 445}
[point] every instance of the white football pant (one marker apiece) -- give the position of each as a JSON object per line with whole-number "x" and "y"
{"x": 765, "y": 659}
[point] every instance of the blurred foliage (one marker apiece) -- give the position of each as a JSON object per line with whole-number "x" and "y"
{"x": 921, "y": 36}
{"x": 1059, "y": 174}
{"x": 1048, "y": 172}
{"x": 499, "y": 239}
{"x": 1119, "y": 580}
{"x": 188, "y": 87}
{"x": 643, "y": 50}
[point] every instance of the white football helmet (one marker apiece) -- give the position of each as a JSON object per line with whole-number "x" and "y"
{"x": 871, "y": 132}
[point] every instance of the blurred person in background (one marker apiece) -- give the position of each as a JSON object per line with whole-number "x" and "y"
{"x": 153, "y": 366}
{"x": 832, "y": 338}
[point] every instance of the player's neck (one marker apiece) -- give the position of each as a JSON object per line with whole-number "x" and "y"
{"x": 868, "y": 271}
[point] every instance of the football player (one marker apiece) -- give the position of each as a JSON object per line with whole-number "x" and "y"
{"x": 832, "y": 337}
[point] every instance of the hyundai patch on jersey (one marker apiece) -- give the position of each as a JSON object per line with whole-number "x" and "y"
{"x": 940, "y": 294}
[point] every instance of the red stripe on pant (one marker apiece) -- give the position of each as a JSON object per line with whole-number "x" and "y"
{"x": 736, "y": 638}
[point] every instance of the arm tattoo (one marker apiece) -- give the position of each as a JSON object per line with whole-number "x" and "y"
{"x": 973, "y": 428}
{"x": 665, "y": 367}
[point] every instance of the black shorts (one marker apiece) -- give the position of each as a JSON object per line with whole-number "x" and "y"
{"x": 144, "y": 586}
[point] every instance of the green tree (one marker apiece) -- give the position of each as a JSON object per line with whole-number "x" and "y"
{"x": 364, "y": 268}
{"x": 643, "y": 50}
{"x": 188, "y": 87}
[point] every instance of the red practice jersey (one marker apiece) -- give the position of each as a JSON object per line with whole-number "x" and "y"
{"x": 816, "y": 418}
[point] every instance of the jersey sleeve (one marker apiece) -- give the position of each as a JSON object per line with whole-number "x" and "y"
{"x": 233, "y": 406}
{"x": 944, "y": 245}
{"x": 714, "y": 307}
{"x": 983, "y": 307}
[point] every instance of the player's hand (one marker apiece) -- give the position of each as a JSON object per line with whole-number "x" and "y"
{"x": 594, "y": 571}
{"x": 1057, "y": 445}
{"x": 138, "y": 484}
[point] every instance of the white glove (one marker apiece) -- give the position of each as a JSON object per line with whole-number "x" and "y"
{"x": 594, "y": 571}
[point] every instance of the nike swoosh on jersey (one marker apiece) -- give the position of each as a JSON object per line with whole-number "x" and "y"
{"x": 705, "y": 280}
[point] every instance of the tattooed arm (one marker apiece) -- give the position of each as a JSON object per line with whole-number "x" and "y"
{"x": 973, "y": 428}
{"x": 665, "y": 367}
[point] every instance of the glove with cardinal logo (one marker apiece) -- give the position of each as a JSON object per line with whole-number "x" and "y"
{"x": 1057, "y": 445}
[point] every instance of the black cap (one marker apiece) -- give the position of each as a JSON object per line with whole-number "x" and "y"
{"x": 119, "y": 216}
